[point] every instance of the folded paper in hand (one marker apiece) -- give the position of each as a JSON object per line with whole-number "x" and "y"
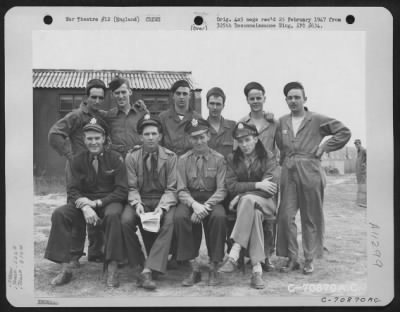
{"x": 150, "y": 221}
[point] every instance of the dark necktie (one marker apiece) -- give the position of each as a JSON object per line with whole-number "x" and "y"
{"x": 200, "y": 165}
{"x": 150, "y": 161}
{"x": 95, "y": 163}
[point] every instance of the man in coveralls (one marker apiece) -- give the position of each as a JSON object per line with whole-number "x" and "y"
{"x": 299, "y": 136}
{"x": 266, "y": 126}
{"x": 71, "y": 127}
{"x": 361, "y": 174}
{"x": 96, "y": 193}
{"x": 201, "y": 189}
{"x": 123, "y": 118}
{"x": 152, "y": 183}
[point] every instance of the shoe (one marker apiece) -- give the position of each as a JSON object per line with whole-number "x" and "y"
{"x": 257, "y": 281}
{"x": 112, "y": 276}
{"x": 268, "y": 266}
{"x": 64, "y": 277}
{"x": 172, "y": 264}
{"x": 291, "y": 265}
{"x": 228, "y": 266}
{"x": 308, "y": 267}
{"x": 213, "y": 278}
{"x": 145, "y": 280}
{"x": 193, "y": 278}
{"x": 155, "y": 275}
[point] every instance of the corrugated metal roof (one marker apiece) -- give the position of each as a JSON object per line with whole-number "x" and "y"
{"x": 77, "y": 78}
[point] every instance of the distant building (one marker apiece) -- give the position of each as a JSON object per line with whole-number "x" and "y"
{"x": 57, "y": 91}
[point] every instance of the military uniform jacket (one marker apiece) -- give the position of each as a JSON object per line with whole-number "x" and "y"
{"x": 174, "y": 136}
{"x": 222, "y": 141}
{"x": 241, "y": 180}
{"x": 167, "y": 173}
{"x": 70, "y": 126}
{"x": 212, "y": 179}
{"x": 312, "y": 130}
{"x": 109, "y": 184}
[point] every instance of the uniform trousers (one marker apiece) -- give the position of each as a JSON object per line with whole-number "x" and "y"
{"x": 67, "y": 217}
{"x": 302, "y": 187}
{"x": 157, "y": 244}
{"x": 95, "y": 235}
{"x": 188, "y": 235}
{"x": 248, "y": 230}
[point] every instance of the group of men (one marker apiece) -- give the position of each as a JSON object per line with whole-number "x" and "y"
{"x": 124, "y": 163}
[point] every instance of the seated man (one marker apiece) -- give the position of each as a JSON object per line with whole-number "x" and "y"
{"x": 152, "y": 188}
{"x": 201, "y": 190}
{"x": 96, "y": 191}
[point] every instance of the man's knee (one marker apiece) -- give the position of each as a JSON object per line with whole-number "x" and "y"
{"x": 218, "y": 214}
{"x": 181, "y": 215}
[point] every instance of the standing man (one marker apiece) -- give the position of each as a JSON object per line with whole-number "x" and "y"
{"x": 361, "y": 174}
{"x": 96, "y": 193}
{"x": 299, "y": 136}
{"x": 221, "y": 139}
{"x": 201, "y": 189}
{"x": 173, "y": 120}
{"x": 123, "y": 118}
{"x": 71, "y": 127}
{"x": 152, "y": 188}
{"x": 266, "y": 126}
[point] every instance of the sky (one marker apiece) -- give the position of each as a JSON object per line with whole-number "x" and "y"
{"x": 329, "y": 64}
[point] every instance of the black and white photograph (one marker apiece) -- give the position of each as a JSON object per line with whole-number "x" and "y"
{"x": 199, "y": 157}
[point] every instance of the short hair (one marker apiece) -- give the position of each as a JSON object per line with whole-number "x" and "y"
{"x": 179, "y": 83}
{"x": 118, "y": 82}
{"x": 253, "y": 85}
{"x": 216, "y": 92}
{"x": 293, "y": 85}
{"x": 95, "y": 83}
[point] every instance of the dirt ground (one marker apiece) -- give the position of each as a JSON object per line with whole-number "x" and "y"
{"x": 342, "y": 271}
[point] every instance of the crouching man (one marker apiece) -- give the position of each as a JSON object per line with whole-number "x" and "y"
{"x": 152, "y": 188}
{"x": 96, "y": 194}
{"x": 201, "y": 190}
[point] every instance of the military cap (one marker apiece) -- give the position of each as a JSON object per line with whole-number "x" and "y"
{"x": 179, "y": 83}
{"x": 216, "y": 92}
{"x": 95, "y": 83}
{"x": 357, "y": 141}
{"x": 243, "y": 129}
{"x": 253, "y": 85}
{"x": 148, "y": 120}
{"x": 94, "y": 125}
{"x": 292, "y": 85}
{"x": 196, "y": 126}
{"x": 117, "y": 82}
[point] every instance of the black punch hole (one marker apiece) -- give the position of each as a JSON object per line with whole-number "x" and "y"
{"x": 198, "y": 20}
{"x": 48, "y": 19}
{"x": 350, "y": 19}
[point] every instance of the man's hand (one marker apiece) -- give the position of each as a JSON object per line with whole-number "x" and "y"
{"x": 139, "y": 209}
{"x": 269, "y": 116}
{"x": 90, "y": 215}
{"x": 267, "y": 186}
{"x": 84, "y": 201}
{"x": 140, "y": 105}
{"x": 195, "y": 218}
{"x": 158, "y": 210}
{"x": 200, "y": 210}
{"x": 233, "y": 203}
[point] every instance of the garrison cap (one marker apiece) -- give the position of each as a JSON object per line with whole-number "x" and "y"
{"x": 117, "y": 82}
{"x": 148, "y": 120}
{"x": 95, "y": 83}
{"x": 94, "y": 125}
{"x": 196, "y": 126}
{"x": 216, "y": 92}
{"x": 179, "y": 83}
{"x": 243, "y": 129}
{"x": 292, "y": 85}
{"x": 357, "y": 141}
{"x": 253, "y": 85}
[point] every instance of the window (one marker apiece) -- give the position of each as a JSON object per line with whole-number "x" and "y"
{"x": 156, "y": 103}
{"x": 69, "y": 102}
